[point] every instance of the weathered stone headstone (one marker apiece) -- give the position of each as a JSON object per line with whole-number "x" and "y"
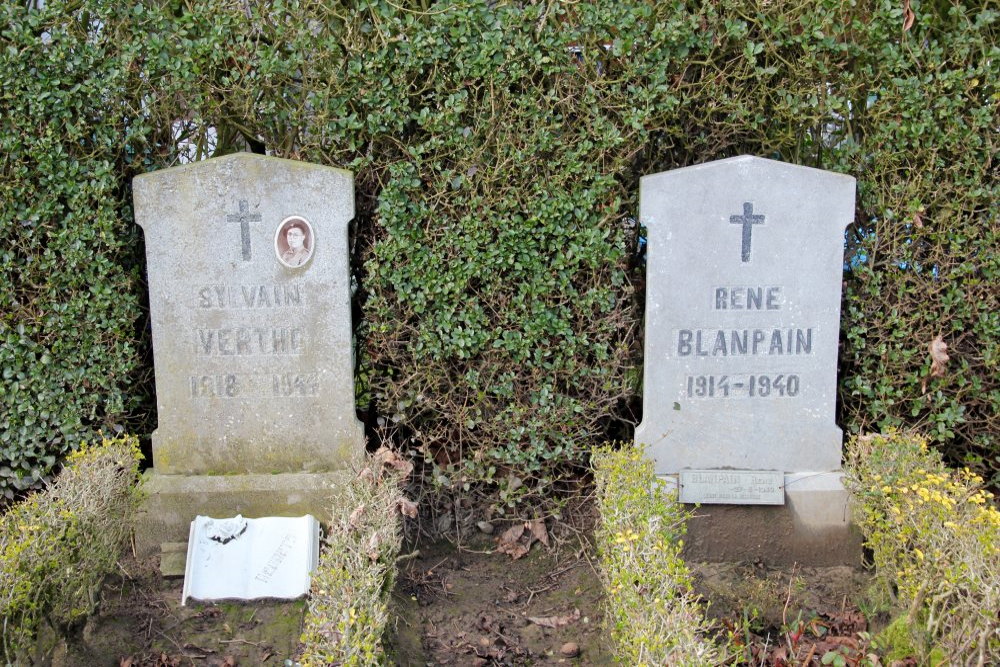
{"x": 745, "y": 261}
{"x": 249, "y": 290}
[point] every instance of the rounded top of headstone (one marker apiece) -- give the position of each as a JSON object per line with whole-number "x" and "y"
{"x": 751, "y": 166}
{"x": 236, "y": 162}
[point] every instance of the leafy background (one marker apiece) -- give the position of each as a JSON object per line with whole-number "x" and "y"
{"x": 497, "y": 149}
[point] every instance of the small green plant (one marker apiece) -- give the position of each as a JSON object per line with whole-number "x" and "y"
{"x": 57, "y": 545}
{"x": 935, "y": 539}
{"x": 348, "y": 604}
{"x": 652, "y": 614}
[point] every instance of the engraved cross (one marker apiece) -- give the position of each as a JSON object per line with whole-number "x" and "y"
{"x": 748, "y": 220}
{"x": 244, "y": 217}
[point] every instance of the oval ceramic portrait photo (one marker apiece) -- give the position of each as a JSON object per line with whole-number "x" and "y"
{"x": 293, "y": 241}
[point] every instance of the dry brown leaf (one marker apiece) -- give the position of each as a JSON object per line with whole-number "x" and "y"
{"x": 908, "y": 16}
{"x": 538, "y": 532}
{"x": 355, "y": 517}
{"x": 407, "y": 507}
{"x": 367, "y": 475}
{"x": 510, "y": 542}
{"x": 125, "y": 662}
{"x": 939, "y": 356}
{"x": 555, "y": 621}
{"x": 373, "y": 546}
{"x": 385, "y": 457}
{"x": 230, "y": 661}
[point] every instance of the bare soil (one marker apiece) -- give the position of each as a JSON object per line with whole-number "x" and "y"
{"x": 140, "y": 623}
{"x": 470, "y": 604}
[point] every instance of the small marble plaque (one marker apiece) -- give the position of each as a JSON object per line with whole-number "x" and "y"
{"x": 732, "y": 487}
{"x": 246, "y": 559}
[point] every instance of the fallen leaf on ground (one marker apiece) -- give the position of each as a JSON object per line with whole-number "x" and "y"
{"x": 355, "y": 517}
{"x": 555, "y": 621}
{"x": 538, "y": 532}
{"x": 908, "y": 15}
{"x": 407, "y": 507}
{"x": 510, "y": 542}
{"x": 373, "y": 546}
{"x": 386, "y": 457}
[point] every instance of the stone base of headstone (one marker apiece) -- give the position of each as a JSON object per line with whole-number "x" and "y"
{"x": 814, "y": 527}
{"x": 173, "y": 501}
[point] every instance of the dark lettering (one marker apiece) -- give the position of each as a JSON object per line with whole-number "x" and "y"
{"x": 292, "y": 295}
{"x": 263, "y": 300}
{"x": 684, "y": 343}
{"x": 737, "y": 298}
{"x": 775, "y": 342}
{"x": 720, "y": 344}
{"x": 697, "y": 345}
{"x": 755, "y": 296}
{"x": 207, "y": 338}
{"x": 803, "y": 341}
{"x": 205, "y": 297}
{"x": 773, "y": 294}
{"x": 720, "y": 298}
{"x": 758, "y": 338}
{"x": 739, "y": 343}
{"x": 220, "y": 292}
{"x": 243, "y": 341}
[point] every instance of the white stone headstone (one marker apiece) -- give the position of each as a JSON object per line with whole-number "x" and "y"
{"x": 745, "y": 263}
{"x": 249, "y": 291}
{"x": 247, "y": 559}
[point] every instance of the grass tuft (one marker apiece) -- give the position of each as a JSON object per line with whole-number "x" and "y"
{"x": 57, "y": 546}
{"x": 652, "y": 615}
{"x": 348, "y": 604}
{"x": 935, "y": 537}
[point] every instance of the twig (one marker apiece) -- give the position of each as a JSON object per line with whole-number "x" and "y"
{"x": 809, "y": 656}
{"x": 239, "y": 641}
{"x": 788, "y": 597}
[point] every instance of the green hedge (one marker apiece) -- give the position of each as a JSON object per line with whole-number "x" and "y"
{"x": 497, "y": 148}
{"x": 57, "y": 546}
{"x": 70, "y": 358}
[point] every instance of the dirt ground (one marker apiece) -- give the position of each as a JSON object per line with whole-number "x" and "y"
{"x": 472, "y": 605}
{"x": 140, "y": 623}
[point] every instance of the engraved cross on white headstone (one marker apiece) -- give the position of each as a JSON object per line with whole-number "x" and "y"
{"x": 244, "y": 217}
{"x": 748, "y": 220}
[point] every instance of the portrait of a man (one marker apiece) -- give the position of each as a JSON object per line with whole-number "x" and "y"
{"x": 293, "y": 242}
